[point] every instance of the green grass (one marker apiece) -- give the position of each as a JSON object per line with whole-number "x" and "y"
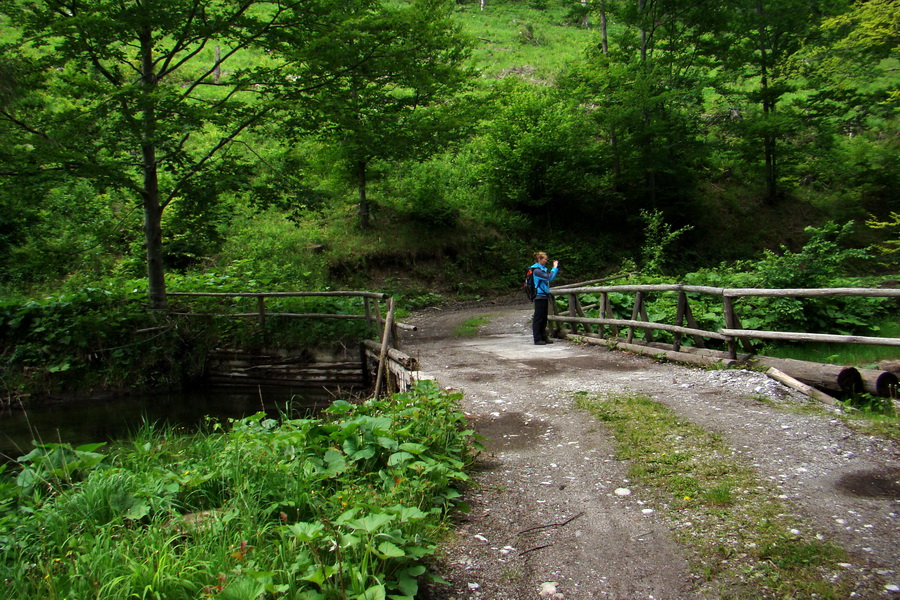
{"x": 516, "y": 39}
{"x": 470, "y": 327}
{"x": 744, "y": 539}
{"x": 859, "y": 355}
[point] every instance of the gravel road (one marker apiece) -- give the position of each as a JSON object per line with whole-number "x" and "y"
{"x": 546, "y": 520}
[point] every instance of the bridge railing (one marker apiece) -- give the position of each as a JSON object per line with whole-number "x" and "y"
{"x": 733, "y": 335}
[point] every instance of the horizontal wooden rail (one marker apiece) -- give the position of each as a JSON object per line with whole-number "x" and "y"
{"x": 639, "y": 288}
{"x": 643, "y": 325}
{"x": 812, "y": 292}
{"x": 271, "y": 314}
{"x": 732, "y": 333}
{"x": 732, "y": 292}
{"x": 594, "y": 281}
{"x": 809, "y": 337}
{"x": 375, "y": 295}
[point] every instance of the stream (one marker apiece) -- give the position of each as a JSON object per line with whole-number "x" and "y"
{"x": 87, "y": 421}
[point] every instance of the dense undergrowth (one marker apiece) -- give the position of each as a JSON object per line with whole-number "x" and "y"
{"x": 348, "y": 505}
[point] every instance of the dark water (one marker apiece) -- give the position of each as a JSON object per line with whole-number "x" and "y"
{"x": 82, "y": 422}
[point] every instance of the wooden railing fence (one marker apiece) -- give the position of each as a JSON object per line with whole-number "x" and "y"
{"x": 733, "y": 335}
{"x": 393, "y": 369}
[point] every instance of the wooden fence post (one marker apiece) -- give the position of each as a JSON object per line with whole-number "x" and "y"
{"x": 367, "y": 306}
{"x": 730, "y": 320}
{"x": 648, "y": 332}
{"x": 635, "y": 313}
{"x": 385, "y": 340}
{"x": 679, "y": 320}
{"x": 261, "y": 308}
{"x": 555, "y": 328}
{"x": 378, "y": 323}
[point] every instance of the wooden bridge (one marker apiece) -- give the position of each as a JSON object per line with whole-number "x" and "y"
{"x": 607, "y": 328}
{"x": 381, "y": 366}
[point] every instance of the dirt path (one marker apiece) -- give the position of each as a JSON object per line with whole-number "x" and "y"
{"x": 544, "y": 507}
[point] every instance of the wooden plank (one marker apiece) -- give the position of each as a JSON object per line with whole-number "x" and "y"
{"x": 800, "y": 386}
{"x": 811, "y": 292}
{"x": 715, "y": 335}
{"x": 811, "y": 337}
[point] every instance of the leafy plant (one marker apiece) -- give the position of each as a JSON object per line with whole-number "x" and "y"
{"x": 346, "y": 505}
{"x": 658, "y": 241}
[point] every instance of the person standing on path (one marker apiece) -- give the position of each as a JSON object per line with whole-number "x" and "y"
{"x": 542, "y": 279}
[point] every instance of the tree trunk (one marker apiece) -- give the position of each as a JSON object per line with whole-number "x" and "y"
{"x": 604, "y": 42}
{"x": 768, "y": 106}
{"x": 649, "y": 169}
{"x": 363, "y": 208}
{"x": 152, "y": 210}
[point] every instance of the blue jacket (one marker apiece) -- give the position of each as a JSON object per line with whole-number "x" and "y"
{"x": 542, "y": 279}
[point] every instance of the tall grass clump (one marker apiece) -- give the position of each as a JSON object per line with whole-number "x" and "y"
{"x": 348, "y": 505}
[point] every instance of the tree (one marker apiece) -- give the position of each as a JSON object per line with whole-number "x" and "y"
{"x": 398, "y": 103}
{"x": 130, "y": 94}
{"x": 766, "y": 35}
{"x": 643, "y": 87}
{"x": 850, "y": 66}
{"x": 537, "y": 156}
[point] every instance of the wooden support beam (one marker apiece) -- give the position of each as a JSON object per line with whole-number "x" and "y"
{"x": 801, "y": 387}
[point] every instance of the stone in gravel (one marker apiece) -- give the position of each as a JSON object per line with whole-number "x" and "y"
{"x": 622, "y": 492}
{"x": 548, "y": 589}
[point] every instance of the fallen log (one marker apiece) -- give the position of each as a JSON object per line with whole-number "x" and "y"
{"x": 683, "y": 357}
{"x": 801, "y": 387}
{"x": 880, "y": 383}
{"x": 833, "y": 378}
{"x": 721, "y": 354}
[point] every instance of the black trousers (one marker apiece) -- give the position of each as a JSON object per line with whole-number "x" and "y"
{"x": 539, "y": 321}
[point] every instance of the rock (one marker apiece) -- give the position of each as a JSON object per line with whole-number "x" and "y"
{"x": 548, "y": 589}
{"x": 622, "y": 492}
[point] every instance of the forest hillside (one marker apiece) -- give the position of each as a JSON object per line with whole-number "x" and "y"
{"x": 423, "y": 147}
